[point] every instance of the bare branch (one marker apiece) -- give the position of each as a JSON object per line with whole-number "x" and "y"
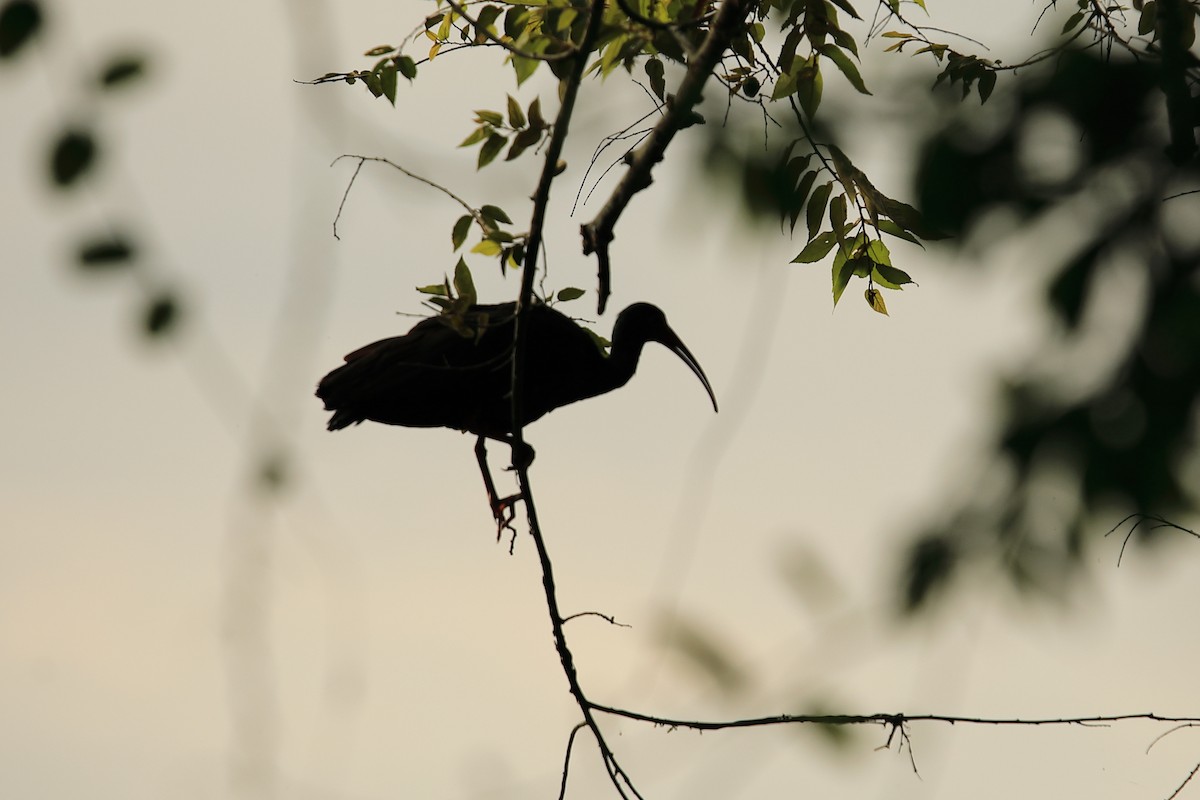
{"x": 598, "y": 233}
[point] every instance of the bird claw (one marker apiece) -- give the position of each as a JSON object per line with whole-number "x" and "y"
{"x": 504, "y": 511}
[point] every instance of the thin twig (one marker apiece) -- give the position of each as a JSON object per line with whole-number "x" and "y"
{"x": 598, "y": 233}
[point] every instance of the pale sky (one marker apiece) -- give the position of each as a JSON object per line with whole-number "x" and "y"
{"x": 163, "y": 633}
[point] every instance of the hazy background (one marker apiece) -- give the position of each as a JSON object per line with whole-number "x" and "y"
{"x": 168, "y": 630}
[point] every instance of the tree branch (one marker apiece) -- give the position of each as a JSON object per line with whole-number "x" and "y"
{"x": 598, "y": 233}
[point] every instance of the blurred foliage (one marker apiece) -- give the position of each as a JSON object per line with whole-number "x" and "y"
{"x": 1079, "y": 445}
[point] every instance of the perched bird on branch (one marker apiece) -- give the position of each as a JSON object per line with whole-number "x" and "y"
{"x": 456, "y": 371}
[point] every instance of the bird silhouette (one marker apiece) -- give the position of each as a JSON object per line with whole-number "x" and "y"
{"x": 455, "y": 371}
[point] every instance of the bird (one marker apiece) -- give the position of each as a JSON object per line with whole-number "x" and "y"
{"x": 455, "y": 371}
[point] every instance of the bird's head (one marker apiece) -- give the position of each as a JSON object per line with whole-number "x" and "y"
{"x": 643, "y": 322}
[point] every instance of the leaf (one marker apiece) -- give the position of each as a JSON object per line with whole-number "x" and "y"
{"x": 784, "y": 86}
{"x": 570, "y": 293}
{"x": 524, "y": 67}
{"x": 516, "y": 117}
{"x": 160, "y": 316}
{"x": 655, "y": 71}
{"x": 437, "y": 289}
{"x": 1149, "y": 18}
{"x": 800, "y": 195}
{"x": 878, "y": 252}
{"x": 462, "y": 226}
{"x": 843, "y": 62}
{"x": 536, "y": 122}
{"x": 20, "y": 21}
{"x": 106, "y": 254}
{"x": 486, "y": 18}
{"x": 72, "y": 157}
{"x": 837, "y": 215}
{"x": 121, "y": 71}
{"x": 892, "y": 229}
{"x": 910, "y": 219}
{"x": 809, "y": 89}
{"x": 495, "y": 214}
{"x": 477, "y": 136}
{"x": 493, "y": 118}
{"x": 843, "y": 271}
{"x": 890, "y": 277}
{"x": 387, "y": 81}
{"x": 844, "y": 5}
{"x": 463, "y": 283}
{"x": 987, "y": 82}
{"x": 816, "y": 207}
{"x": 491, "y": 148}
{"x": 817, "y": 249}
{"x": 875, "y": 300}
{"x": 1072, "y": 21}
{"x": 407, "y": 67}
{"x": 523, "y": 141}
{"x": 487, "y": 247}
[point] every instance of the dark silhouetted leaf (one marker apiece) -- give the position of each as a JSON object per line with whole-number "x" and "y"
{"x": 106, "y": 254}
{"x": 495, "y": 214}
{"x": 161, "y": 316}
{"x": 570, "y": 293}
{"x": 121, "y": 71}
{"x": 73, "y": 155}
{"x": 931, "y": 563}
{"x": 20, "y": 21}
{"x": 462, "y": 227}
{"x": 658, "y": 84}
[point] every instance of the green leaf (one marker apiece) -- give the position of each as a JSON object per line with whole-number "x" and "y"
{"x": 438, "y": 289}
{"x": 382, "y": 50}
{"x": 800, "y": 195}
{"x": 387, "y": 81}
{"x": 516, "y": 117}
{"x": 809, "y": 88}
{"x": 104, "y": 255}
{"x": 525, "y": 139}
{"x": 462, "y": 226}
{"x": 843, "y": 62}
{"x": 843, "y": 271}
{"x": 817, "y": 249}
{"x": 655, "y": 72}
{"x": 73, "y": 156}
{"x": 878, "y": 252}
{"x": 534, "y": 114}
{"x": 875, "y": 300}
{"x": 844, "y": 5}
{"x": 890, "y": 277}
{"x": 407, "y": 67}
{"x": 487, "y": 247}
{"x": 784, "y": 86}
{"x": 20, "y": 21}
{"x": 1072, "y": 21}
{"x": 477, "y": 136}
{"x": 570, "y": 293}
{"x": 493, "y": 118}
{"x": 910, "y": 219}
{"x": 816, "y": 207}
{"x": 892, "y": 229}
{"x": 524, "y": 67}
{"x": 495, "y": 214}
{"x": 121, "y": 71}
{"x": 463, "y": 283}
{"x": 486, "y": 17}
{"x": 491, "y": 148}
{"x": 160, "y": 316}
{"x": 837, "y": 214}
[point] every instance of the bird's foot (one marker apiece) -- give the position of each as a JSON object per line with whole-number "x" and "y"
{"x": 504, "y": 511}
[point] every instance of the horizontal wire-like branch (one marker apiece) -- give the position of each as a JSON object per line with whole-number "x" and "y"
{"x": 895, "y": 720}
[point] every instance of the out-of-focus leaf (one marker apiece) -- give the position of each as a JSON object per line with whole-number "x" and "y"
{"x": 462, "y": 226}
{"x": 20, "y": 20}
{"x": 121, "y": 71}
{"x": 491, "y": 148}
{"x": 161, "y": 316}
{"x": 73, "y": 156}
{"x": 104, "y": 255}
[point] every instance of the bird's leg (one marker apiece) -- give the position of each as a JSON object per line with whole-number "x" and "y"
{"x": 503, "y": 509}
